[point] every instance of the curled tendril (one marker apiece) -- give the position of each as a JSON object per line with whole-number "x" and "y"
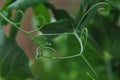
{"x": 84, "y": 31}
{"x": 21, "y": 13}
{"x": 10, "y": 21}
{"x": 16, "y": 23}
{"x": 40, "y": 53}
{"x": 43, "y": 20}
{"x": 84, "y": 36}
{"x": 106, "y": 9}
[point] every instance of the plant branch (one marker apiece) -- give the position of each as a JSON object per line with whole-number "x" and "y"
{"x": 109, "y": 70}
{"x": 108, "y": 65}
{"x": 90, "y": 66}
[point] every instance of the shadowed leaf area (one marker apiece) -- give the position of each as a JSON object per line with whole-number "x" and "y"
{"x": 14, "y": 64}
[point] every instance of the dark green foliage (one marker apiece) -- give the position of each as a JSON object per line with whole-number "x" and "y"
{"x": 57, "y": 27}
{"x": 104, "y": 37}
{"x": 59, "y": 13}
{"x": 115, "y": 3}
{"x": 14, "y": 63}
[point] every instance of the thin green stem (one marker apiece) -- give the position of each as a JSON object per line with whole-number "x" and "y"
{"x": 90, "y": 66}
{"x": 14, "y": 30}
{"x": 58, "y": 34}
{"x": 12, "y": 23}
{"x": 109, "y": 70}
{"x": 107, "y": 59}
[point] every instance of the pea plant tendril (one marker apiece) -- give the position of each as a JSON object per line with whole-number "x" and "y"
{"x": 43, "y": 46}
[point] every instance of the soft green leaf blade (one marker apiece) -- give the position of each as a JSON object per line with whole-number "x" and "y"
{"x": 14, "y": 64}
{"x": 57, "y": 27}
{"x": 104, "y": 38}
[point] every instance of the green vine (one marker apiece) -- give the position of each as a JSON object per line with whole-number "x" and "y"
{"x": 43, "y": 46}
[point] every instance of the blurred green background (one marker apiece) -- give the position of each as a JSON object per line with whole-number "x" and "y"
{"x": 102, "y": 49}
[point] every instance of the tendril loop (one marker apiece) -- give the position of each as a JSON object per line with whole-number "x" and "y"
{"x": 105, "y": 8}
{"x": 46, "y": 52}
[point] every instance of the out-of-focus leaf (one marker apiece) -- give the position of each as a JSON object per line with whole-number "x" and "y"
{"x": 41, "y": 10}
{"x": 59, "y": 13}
{"x": 43, "y": 70}
{"x": 66, "y": 69}
{"x": 114, "y": 3}
{"x": 5, "y": 12}
{"x": 104, "y": 37}
{"x": 14, "y": 64}
{"x": 7, "y": 2}
{"x": 57, "y": 27}
{"x": 23, "y": 4}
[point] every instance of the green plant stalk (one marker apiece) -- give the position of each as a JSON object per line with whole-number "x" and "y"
{"x": 14, "y": 30}
{"x": 95, "y": 73}
{"x": 109, "y": 69}
{"x": 107, "y": 59}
